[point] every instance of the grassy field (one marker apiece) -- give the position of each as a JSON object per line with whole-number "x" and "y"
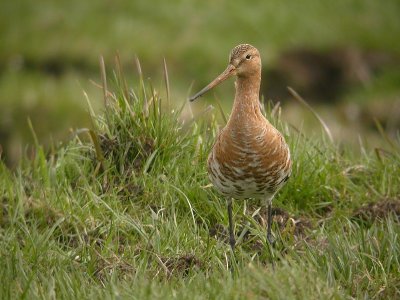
{"x": 125, "y": 210}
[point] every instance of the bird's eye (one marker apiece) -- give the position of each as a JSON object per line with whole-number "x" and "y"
{"x": 248, "y": 56}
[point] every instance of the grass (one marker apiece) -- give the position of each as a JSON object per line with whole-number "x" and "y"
{"x": 125, "y": 210}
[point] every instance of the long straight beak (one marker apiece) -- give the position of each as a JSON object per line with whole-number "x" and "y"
{"x": 229, "y": 71}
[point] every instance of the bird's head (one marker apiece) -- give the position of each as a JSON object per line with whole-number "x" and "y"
{"x": 244, "y": 61}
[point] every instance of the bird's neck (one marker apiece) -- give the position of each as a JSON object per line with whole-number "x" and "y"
{"x": 246, "y": 105}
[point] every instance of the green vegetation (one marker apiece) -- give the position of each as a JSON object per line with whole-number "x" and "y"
{"x": 123, "y": 208}
{"x": 129, "y": 213}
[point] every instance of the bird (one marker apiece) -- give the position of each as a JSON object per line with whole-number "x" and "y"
{"x": 250, "y": 158}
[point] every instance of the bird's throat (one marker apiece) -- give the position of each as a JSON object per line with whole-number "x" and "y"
{"x": 247, "y": 103}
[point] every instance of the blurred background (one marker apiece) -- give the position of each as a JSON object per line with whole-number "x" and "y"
{"x": 342, "y": 56}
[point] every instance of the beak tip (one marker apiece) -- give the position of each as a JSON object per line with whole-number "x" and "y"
{"x": 226, "y": 74}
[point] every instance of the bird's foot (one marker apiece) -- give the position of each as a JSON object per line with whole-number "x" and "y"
{"x": 232, "y": 242}
{"x": 271, "y": 240}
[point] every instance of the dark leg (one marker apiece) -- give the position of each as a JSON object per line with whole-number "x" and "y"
{"x": 232, "y": 241}
{"x": 270, "y": 238}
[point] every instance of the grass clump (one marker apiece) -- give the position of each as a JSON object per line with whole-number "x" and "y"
{"x": 128, "y": 212}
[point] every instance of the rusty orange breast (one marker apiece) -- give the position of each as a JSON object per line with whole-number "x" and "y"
{"x": 250, "y": 159}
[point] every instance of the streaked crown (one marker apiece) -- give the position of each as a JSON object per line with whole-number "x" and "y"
{"x": 239, "y": 50}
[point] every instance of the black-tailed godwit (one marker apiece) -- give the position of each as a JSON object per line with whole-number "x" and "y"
{"x": 250, "y": 158}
